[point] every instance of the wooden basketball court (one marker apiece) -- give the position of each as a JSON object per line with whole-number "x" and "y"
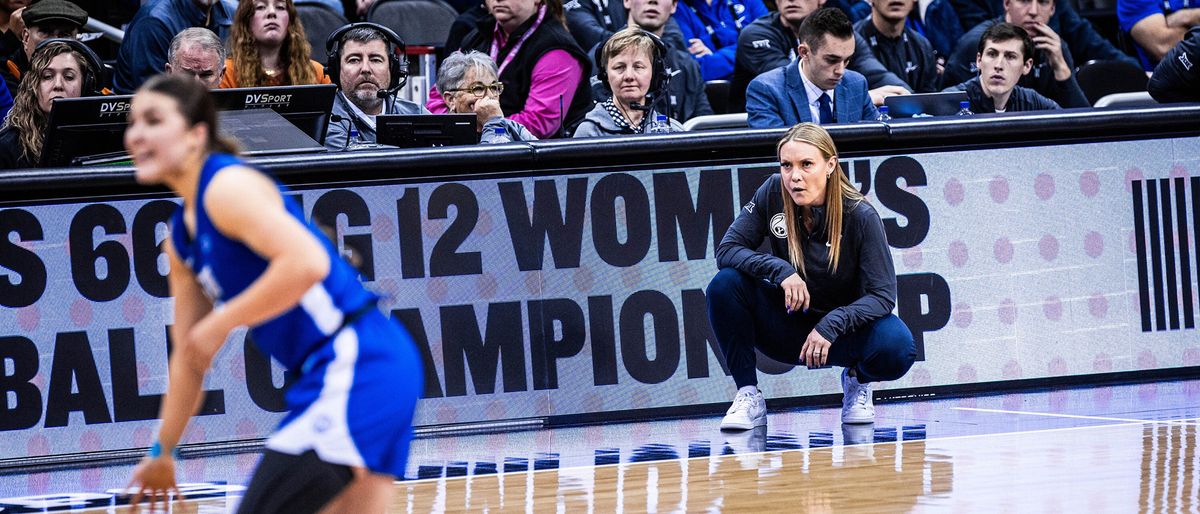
{"x": 1104, "y": 449}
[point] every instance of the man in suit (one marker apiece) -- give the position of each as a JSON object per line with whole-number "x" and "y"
{"x": 817, "y": 87}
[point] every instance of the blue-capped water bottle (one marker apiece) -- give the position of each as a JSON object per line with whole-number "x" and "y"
{"x": 964, "y": 108}
{"x": 499, "y": 135}
{"x": 883, "y": 117}
{"x": 660, "y": 125}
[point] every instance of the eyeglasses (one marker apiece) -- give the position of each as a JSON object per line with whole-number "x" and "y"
{"x": 479, "y": 89}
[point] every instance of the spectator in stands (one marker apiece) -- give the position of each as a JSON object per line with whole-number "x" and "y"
{"x": 1177, "y": 76}
{"x": 711, "y": 29}
{"x": 937, "y": 21}
{"x": 199, "y": 53}
{"x": 43, "y": 20}
{"x": 468, "y": 83}
{"x": 57, "y": 71}
{"x": 901, "y": 49}
{"x": 685, "y": 97}
{"x": 1005, "y": 54}
{"x": 1053, "y": 74}
{"x": 1156, "y": 25}
{"x": 540, "y": 65}
{"x": 143, "y": 53}
{"x": 1076, "y": 31}
{"x": 817, "y": 87}
{"x": 368, "y": 81}
{"x": 268, "y": 47}
{"x": 770, "y": 42}
{"x": 1085, "y": 43}
{"x": 11, "y": 25}
{"x": 632, "y": 64}
{"x": 592, "y": 22}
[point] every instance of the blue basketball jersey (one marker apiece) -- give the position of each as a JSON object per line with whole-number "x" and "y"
{"x": 225, "y": 267}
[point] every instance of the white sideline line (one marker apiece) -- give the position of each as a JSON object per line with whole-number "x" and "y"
{"x": 1074, "y": 416}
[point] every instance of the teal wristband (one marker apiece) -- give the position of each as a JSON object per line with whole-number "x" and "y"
{"x": 156, "y": 451}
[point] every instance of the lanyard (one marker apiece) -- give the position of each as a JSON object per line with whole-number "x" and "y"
{"x": 603, "y": 5}
{"x": 495, "y": 52}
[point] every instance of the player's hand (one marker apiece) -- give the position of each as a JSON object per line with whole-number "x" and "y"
{"x": 795, "y": 293}
{"x": 881, "y": 92}
{"x": 815, "y": 352}
{"x": 154, "y": 481}
{"x": 697, "y": 48}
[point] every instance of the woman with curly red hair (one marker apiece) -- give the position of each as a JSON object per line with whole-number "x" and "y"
{"x": 268, "y": 47}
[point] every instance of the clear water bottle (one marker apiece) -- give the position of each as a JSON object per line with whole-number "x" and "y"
{"x": 964, "y": 109}
{"x": 660, "y": 125}
{"x": 883, "y": 117}
{"x": 354, "y": 140}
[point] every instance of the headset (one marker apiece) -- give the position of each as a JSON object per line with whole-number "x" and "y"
{"x": 397, "y": 64}
{"x": 660, "y": 75}
{"x": 91, "y": 76}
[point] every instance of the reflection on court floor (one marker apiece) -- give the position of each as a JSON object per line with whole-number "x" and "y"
{"x": 1105, "y": 449}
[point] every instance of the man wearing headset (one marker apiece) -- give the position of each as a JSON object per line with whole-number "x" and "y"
{"x": 368, "y": 75}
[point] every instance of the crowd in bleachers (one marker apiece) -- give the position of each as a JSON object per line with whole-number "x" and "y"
{"x": 537, "y": 69}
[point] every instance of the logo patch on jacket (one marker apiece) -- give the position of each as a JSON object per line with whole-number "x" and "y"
{"x": 1183, "y": 59}
{"x": 779, "y": 226}
{"x": 761, "y": 43}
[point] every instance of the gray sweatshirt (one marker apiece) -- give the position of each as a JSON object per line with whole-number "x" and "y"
{"x": 599, "y": 123}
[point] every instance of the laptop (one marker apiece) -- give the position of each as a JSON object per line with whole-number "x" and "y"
{"x": 265, "y": 132}
{"x": 925, "y": 104}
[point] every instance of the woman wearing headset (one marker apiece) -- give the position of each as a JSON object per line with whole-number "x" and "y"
{"x": 57, "y": 70}
{"x": 628, "y": 63}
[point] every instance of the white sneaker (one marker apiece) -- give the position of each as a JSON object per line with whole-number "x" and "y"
{"x": 748, "y": 411}
{"x": 858, "y": 405}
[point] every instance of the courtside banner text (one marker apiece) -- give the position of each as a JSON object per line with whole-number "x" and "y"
{"x": 571, "y": 294}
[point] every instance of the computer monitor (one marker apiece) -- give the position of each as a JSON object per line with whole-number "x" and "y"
{"x": 931, "y": 104}
{"x": 80, "y": 129}
{"x": 306, "y": 107}
{"x": 422, "y": 130}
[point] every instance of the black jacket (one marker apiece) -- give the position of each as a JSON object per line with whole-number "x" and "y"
{"x": 961, "y": 67}
{"x": 1177, "y": 76}
{"x": 1022, "y": 99}
{"x": 766, "y": 44}
{"x": 591, "y": 24}
{"x": 862, "y": 290}
{"x": 686, "y": 97}
{"x": 909, "y": 56}
{"x": 1076, "y": 31}
{"x": 10, "y": 150}
{"x": 517, "y": 76}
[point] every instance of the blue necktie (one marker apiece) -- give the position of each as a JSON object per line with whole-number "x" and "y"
{"x": 824, "y": 108}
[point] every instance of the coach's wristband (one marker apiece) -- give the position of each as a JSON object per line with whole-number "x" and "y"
{"x": 156, "y": 451}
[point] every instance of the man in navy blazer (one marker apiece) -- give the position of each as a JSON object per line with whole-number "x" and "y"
{"x": 816, "y": 87}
